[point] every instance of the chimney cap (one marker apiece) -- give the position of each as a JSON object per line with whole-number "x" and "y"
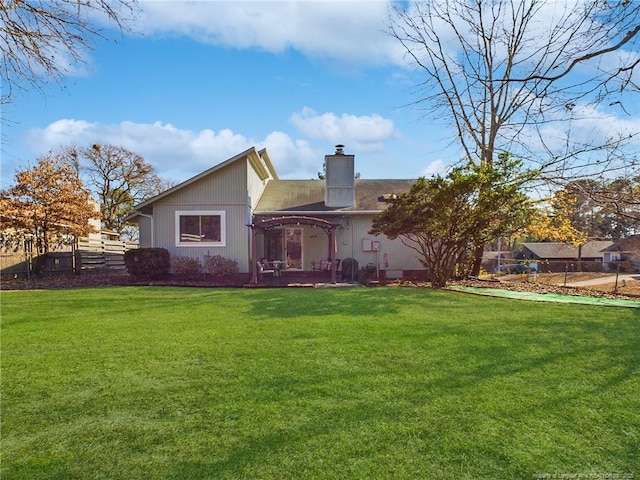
{"x": 339, "y": 149}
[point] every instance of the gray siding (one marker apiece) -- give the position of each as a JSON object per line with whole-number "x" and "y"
{"x": 225, "y": 191}
{"x": 227, "y": 186}
{"x": 350, "y": 244}
{"x": 144, "y": 232}
{"x": 316, "y": 246}
{"x": 350, "y": 241}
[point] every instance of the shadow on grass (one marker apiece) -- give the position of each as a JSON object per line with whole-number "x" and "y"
{"x": 509, "y": 387}
{"x": 558, "y": 385}
{"x": 347, "y": 302}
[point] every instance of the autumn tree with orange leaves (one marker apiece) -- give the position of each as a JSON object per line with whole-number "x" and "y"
{"x": 48, "y": 204}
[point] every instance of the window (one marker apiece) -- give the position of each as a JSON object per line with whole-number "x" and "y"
{"x": 200, "y": 228}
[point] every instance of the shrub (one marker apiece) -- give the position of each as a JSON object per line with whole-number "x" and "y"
{"x": 349, "y": 269}
{"x": 220, "y": 267}
{"x": 147, "y": 262}
{"x": 367, "y": 274}
{"x": 186, "y": 266}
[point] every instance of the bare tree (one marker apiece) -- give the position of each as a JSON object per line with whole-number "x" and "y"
{"x": 41, "y": 39}
{"x": 614, "y": 202}
{"x": 120, "y": 179}
{"x": 518, "y": 75}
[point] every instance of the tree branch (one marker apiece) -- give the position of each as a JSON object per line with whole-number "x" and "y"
{"x": 630, "y": 34}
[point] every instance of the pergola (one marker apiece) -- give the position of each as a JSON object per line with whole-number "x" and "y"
{"x": 262, "y": 224}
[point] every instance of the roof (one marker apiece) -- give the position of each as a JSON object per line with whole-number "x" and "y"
{"x": 298, "y": 196}
{"x": 252, "y": 154}
{"x": 627, "y": 244}
{"x": 550, "y": 250}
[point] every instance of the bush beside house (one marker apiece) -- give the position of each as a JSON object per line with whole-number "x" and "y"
{"x": 147, "y": 262}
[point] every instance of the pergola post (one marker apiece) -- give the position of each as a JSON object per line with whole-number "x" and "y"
{"x": 333, "y": 247}
{"x": 254, "y": 254}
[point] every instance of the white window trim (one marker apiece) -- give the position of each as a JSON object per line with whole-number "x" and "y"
{"x": 223, "y": 228}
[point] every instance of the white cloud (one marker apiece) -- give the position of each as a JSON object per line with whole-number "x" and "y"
{"x": 57, "y": 134}
{"x": 176, "y": 153}
{"x": 352, "y": 31}
{"x": 590, "y": 125}
{"x": 437, "y": 167}
{"x": 366, "y": 133}
{"x": 293, "y": 158}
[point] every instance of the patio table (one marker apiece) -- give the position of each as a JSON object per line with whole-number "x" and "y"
{"x": 276, "y": 265}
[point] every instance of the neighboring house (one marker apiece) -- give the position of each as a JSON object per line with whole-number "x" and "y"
{"x": 624, "y": 249}
{"x": 241, "y": 210}
{"x": 557, "y": 251}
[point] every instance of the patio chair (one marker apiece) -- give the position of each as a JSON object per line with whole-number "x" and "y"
{"x": 264, "y": 271}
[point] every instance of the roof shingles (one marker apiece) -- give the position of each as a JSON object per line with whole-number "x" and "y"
{"x": 282, "y": 196}
{"x": 557, "y": 250}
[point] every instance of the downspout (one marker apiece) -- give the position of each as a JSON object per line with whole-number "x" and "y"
{"x": 150, "y": 217}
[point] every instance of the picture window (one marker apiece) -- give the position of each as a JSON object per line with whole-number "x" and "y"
{"x": 200, "y": 228}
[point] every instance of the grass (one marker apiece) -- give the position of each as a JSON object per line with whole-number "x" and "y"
{"x": 127, "y": 383}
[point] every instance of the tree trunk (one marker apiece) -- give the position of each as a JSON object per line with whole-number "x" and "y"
{"x": 477, "y": 260}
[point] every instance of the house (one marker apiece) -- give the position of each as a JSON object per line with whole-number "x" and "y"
{"x": 625, "y": 249}
{"x": 558, "y": 257}
{"x": 558, "y": 251}
{"x": 241, "y": 210}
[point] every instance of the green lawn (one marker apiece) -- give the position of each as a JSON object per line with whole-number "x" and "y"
{"x": 393, "y": 383}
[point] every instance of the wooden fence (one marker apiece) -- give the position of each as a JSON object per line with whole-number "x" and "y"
{"x": 101, "y": 255}
{"x": 88, "y": 256}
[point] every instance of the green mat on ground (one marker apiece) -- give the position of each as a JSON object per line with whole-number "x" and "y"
{"x": 547, "y": 297}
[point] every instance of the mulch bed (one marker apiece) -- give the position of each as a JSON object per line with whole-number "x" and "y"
{"x": 525, "y": 287}
{"x": 99, "y": 280}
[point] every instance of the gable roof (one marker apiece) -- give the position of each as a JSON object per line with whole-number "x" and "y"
{"x": 626, "y": 245}
{"x": 307, "y": 196}
{"x": 259, "y": 160}
{"x": 551, "y": 250}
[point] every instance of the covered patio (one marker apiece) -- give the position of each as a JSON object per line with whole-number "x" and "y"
{"x": 263, "y": 224}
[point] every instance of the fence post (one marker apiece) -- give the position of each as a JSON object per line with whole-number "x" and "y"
{"x": 74, "y": 252}
{"x": 103, "y": 251}
{"x": 29, "y": 255}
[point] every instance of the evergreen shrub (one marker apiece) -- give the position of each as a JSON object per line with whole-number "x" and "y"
{"x": 147, "y": 262}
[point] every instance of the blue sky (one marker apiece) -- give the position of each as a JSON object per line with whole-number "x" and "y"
{"x": 200, "y": 82}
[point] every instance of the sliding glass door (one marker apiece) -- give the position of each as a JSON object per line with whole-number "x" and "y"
{"x": 293, "y": 248}
{"x": 285, "y": 245}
